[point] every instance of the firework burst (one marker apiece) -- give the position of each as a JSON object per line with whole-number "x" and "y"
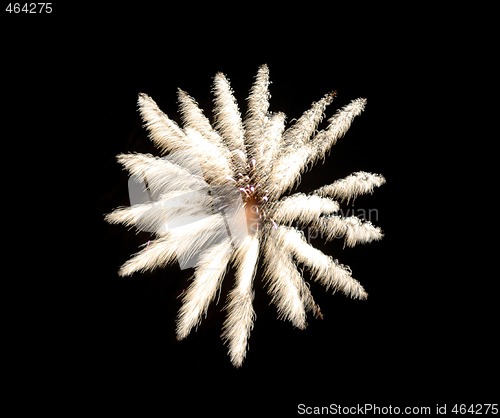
{"x": 220, "y": 197}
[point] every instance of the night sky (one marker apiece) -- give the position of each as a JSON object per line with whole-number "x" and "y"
{"x": 84, "y": 339}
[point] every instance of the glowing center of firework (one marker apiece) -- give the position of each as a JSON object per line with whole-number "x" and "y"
{"x": 253, "y": 210}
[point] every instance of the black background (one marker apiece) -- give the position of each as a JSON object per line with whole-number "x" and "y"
{"x": 84, "y": 339}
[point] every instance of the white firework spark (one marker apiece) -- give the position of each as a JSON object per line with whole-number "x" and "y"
{"x": 229, "y": 180}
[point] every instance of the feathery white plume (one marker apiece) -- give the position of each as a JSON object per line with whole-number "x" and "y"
{"x": 353, "y": 229}
{"x": 240, "y": 317}
{"x": 300, "y": 207}
{"x": 204, "y": 286}
{"x": 352, "y": 186}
